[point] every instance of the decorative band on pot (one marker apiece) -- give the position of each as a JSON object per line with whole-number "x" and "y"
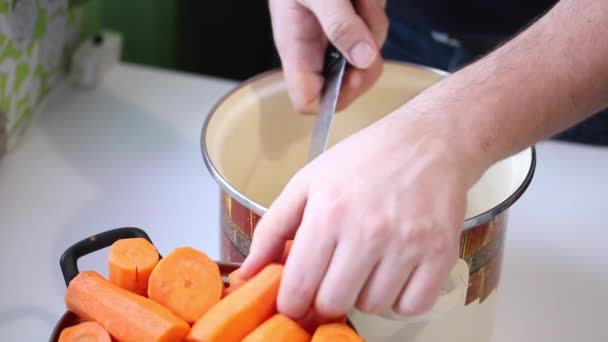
{"x": 253, "y": 142}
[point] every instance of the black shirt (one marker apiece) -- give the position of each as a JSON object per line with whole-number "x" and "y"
{"x": 464, "y": 18}
{"x": 480, "y": 25}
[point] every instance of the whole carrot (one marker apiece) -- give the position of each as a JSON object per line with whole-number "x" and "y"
{"x": 239, "y": 313}
{"x": 128, "y": 317}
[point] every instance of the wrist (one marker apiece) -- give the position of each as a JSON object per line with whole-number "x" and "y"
{"x": 440, "y": 117}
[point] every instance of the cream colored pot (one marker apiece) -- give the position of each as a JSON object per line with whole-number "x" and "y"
{"x": 253, "y": 142}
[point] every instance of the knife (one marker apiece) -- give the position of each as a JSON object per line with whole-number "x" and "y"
{"x": 333, "y": 72}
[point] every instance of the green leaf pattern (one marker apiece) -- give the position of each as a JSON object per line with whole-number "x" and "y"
{"x": 36, "y": 38}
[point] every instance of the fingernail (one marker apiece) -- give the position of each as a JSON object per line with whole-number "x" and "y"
{"x": 362, "y": 54}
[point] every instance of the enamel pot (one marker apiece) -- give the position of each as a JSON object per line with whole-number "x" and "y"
{"x": 253, "y": 142}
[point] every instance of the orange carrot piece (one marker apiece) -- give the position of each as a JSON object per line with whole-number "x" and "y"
{"x": 336, "y": 332}
{"x": 124, "y": 314}
{"x": 234, "y": 278}
{"x": 228, "y": 290}
{"x": 130, "y": 263}
{"x": 85, "y": 332}
{"x": 278, "y": 328}
{"x": 237, "y": 315}
{"x": 187, "y": 282}
{"x": 286, "y": 251}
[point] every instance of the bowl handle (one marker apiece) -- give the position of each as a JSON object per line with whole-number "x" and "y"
{"x": 69, "y": 258}
{"x": 453, "y": 294}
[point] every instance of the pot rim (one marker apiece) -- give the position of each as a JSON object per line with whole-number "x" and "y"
{"x": 260, "y": 210}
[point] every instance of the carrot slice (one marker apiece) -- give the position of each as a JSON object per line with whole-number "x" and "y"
{"x": 231, "y": 289}
{"x": 278, "y": 328}
{"x": 85, "y": 332}
{"x": 237, "y": 315}
{"x": 286, "y": 251}
{"x": 130, "y": 263}
{"x": 187, "y": 282}
{"x": 335, "y": 332}
{"x": 124, "y": 314}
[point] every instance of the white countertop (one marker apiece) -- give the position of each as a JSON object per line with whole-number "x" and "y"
{"x": 128, "y": 154}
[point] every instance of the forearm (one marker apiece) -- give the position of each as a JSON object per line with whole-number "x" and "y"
{"x": 545, "y": 80}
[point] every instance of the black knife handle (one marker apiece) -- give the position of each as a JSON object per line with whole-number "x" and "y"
{"x": 332, "y": 59}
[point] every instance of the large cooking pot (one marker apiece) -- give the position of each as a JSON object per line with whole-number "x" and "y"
{"x": 69, "y": 266}
{"x": 253, "y": 142}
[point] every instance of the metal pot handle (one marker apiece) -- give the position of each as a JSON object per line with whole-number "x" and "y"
{"x": 69, "y": 258}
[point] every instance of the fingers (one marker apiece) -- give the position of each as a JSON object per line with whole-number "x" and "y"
{"x": 308, "y": 260}
{"x": 299, "y": 32}
{"x": 386, "y": 283}
{"x": 344, "y": 278}
{"x": 358, "y": 81}
{"x": 346, "y": 30}
{"x": 301, "y": 46}
{"x": 374, "y": 15}
{"x": 422, "y": 290}
{"x": 276, "y": 226}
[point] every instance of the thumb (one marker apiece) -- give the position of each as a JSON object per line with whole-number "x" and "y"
{"x": 346, "y": 30}
{"x": 278, "y": 225}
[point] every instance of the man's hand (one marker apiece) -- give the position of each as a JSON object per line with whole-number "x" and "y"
{"x": 376, "y": 220}
{"x": 301, "y": 32}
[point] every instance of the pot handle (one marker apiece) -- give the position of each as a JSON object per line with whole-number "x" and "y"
{"x": 69, "y": 258}
{"x": 453, "y": 294}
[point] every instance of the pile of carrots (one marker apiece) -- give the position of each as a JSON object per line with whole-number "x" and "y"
{"x": 182, "y": 297}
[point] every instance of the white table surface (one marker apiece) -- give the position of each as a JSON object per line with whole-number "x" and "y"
{"x": 128, "y": 154}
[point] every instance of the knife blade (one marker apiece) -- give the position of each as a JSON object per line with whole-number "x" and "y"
{"x": 334, "y": 68}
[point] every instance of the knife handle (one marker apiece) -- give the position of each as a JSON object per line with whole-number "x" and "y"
{"x": 332, "y": 58}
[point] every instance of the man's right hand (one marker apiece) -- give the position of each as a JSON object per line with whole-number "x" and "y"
{"x": 301, "y": 31}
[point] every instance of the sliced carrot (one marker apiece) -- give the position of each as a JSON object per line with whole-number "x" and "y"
{"x": 278, "y": 328}
{"x": 187, "y": 282}
{"x": 314, "y": 319}
{"x": 234, "y": 278}
{"x": 130, "y": 263}
{"x": 228, "y": 290}
{"x": 124, "y": 314}
{"x": 336, "y": 332}
{"x": 286, "y": 251}
{"x": 237, "y": 315}
{"x": 85, "y": 332}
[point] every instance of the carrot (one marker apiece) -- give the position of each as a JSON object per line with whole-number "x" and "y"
{"x": 130, "y": 263}
{"x": 286, "y": 251}
{"x": 187, "y": 282}
{"x": 228, "y": 290}
{"x": 234, "y": 278}
{"x": 278, "y": 328}
{"x": 335, "y": 332}
{"x": 124, "y": 314}
{"x": 85, "y": 332}
{"x": 237, "y": 315}
{"x": 313, "y": 319}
